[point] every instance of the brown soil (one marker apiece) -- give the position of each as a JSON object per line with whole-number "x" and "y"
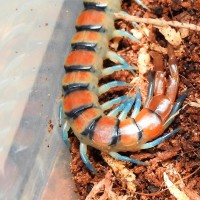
{"x": 182, "y": 151}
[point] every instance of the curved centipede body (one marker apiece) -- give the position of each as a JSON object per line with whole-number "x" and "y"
{"x": 114, "y": 132}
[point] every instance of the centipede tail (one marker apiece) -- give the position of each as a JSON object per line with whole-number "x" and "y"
{"x": 84, "y": 68}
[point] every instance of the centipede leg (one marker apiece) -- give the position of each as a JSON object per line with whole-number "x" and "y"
{"x": 174, "y": 78}
{"x": 137, "y": 104}
{"x": 125, "y": 158}
{"x": 119, "y": 108}
{"x": 115, "y": 58}
{"x": 61, "y": 114}
{"x": 65, "y": 130}
{"x": 160, "y": 83}
{"x": 122, "y": 33}
{"x": 141, "y": 3}
{"x": 126, "y": 109}
{"x": 83, "y": 153}
{"x": 159, "y": 140}
{"x": 104, "y": 88}
{"x": 175, "y": 108}
{"x": 112, "y": 102}
{"x": 110, "y": 70}
{"x": 150, "y": 90}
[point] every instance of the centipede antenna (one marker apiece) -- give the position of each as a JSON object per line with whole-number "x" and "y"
{"x": 137, "y": 104}
{"x": 127, "y": 108}
{"x": 175, "y": 108}
{"x": 141, "y": 4}
{"x": 65, "y": 130}
{"x": 159, "y": 140}
{"x": 119, "y": 108}
{"x": 104, "y": 88}
{"x": 60, "y": 114}
{"x": 112, "y": 102}
{"x": 83, "y": 153}
{"x": 126, "y": 159}
{"x": 122, "y": 33}
{"x": 150, "y": 90}
{"x": 115, "y": 57}
{"x": 110, "y": 70}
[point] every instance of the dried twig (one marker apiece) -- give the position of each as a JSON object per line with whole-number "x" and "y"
{"x": 157, "y": 22}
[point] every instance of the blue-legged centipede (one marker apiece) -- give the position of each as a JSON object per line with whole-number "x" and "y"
{"x": 85, "y": 115}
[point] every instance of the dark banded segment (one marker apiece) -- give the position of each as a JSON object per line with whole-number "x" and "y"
{"x": 129, "y": 132}
{"x": 83, "y": 46}
{"x": 96, "y": 18}
{"x": 73, "y": 87}
{"x": 77, "y": 101}
{"x": 140, "y": 133}
{"x": 115, "y": 134}
{"x": 82, "y": 60}
{"x": 78, "y": 111}
{"x": 89, "y": 131}
{"x": 96, "y": 28}
{"x": 150, "y": 123}
{"x": 78, "y": 68}
{"x": 90, "y": 41}
{"x": 105, "y": 132}
{"x": 83, "y": 121}
{"x": 95, "y": 6}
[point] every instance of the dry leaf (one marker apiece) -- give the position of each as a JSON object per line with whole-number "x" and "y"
{"x": 174, "y": 189}
{"x": 126, "y": 176}
{"x": 171, "y": 35}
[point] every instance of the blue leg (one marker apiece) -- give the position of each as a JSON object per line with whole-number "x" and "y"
{"x": 137, "y": 105}
{"x": 112, "y": 102}
{"x": 141, "y": 4}
{"x": 110, "y": 70}
{"x": 127, "y": 108}
{"x": 60, "y": 114}
{"x": 175, "y": 108}
{"x": 150, "y": 90}
{"x": 122, "y": 33}
{"x": 83, "y": 153}
{"x": 104, "y": 88}
{"x": 119, "y": 108}
{"x": 65, "y": 130}
{"x": 126, "y": 159}
{"x": 115, "y": 58}
{"x": 159, "y": 140}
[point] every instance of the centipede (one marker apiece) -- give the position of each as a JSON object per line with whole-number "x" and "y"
{"x": 117, "y": 131}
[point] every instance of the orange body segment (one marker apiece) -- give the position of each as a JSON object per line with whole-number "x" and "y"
{"x": 150, "y": 123}
{"x": 77, "y": 99}
{"x": 128, "y": 132}
{"x": 87, "y": 36}
{"x": 103, "y": 130}
{"x": 84, "y": 119}
{"x": 161, "y": 105}
{"x": 78, "y": 77}
{"x": 81, "y": 57}
{"x": 91, "y": 17}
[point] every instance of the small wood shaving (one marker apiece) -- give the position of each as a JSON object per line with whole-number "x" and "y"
{"x": 143, "y": 62}
{"x": 195, "y": 104}
{"x": 157, "y": 22}
{"x": 184, "y": 32}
